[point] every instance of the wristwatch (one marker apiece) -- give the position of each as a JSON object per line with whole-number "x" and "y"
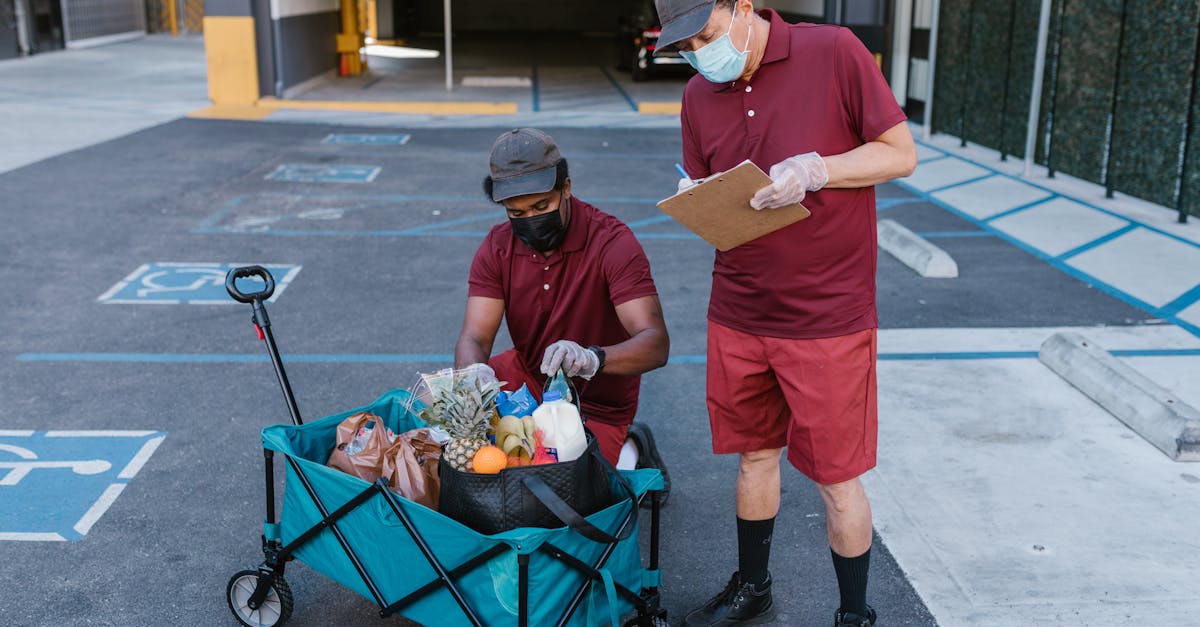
{"x": 599, "y": 353}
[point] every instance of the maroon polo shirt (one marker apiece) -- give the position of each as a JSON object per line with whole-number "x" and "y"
{"x": 817, "y": 89}
{"x": 572, "y": 295}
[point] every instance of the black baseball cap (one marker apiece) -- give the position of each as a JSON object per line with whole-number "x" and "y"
{"x": 523, "y": 161}
{"x": 681, "y": 19}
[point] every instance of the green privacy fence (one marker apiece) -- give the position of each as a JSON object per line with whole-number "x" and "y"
{"x": 1119, "y": 104}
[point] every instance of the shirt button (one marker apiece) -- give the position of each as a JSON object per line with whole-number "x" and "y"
{"x": 546, "y": 268}
{"x": 749, "y": 89}
{"x": 546, "y": 286}
{"x": 750, "y": 113}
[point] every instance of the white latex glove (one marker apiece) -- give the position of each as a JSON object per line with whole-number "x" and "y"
{"x": 480, "y": 373}
{"x": 790, "y": 180}
{"x": 684, "y": 184}
{"x": 574, "y": 359}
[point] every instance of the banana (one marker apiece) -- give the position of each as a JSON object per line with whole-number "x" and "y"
{"x": 529, "y": 428}
{"x": 511, "y": 441}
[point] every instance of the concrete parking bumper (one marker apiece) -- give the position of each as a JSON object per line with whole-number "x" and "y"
{"x": 1156, "y": 414}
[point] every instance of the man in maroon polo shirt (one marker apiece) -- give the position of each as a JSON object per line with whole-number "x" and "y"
{"x": 575, "y": 288}
{"x": 791, "y": 336}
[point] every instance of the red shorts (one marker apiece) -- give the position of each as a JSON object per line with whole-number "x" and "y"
{"x": 510, "y": 368}
{"x": 816, "y": 397}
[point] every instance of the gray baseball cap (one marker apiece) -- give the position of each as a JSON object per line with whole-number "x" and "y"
{"x": 681, "y": 19}
{"x": 523, "y": 161}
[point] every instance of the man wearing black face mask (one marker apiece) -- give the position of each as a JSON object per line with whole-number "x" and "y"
{"x": 575, "y": 288}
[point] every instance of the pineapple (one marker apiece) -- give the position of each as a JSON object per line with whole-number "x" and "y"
{"x": 464, "y": 408}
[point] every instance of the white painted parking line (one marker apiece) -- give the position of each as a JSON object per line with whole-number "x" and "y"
{"x": 98, "y": 508}
{"x": 17, "y": 536}
{"x": 943, "y": 172}
{"x": 1147, "y": 265}
{"x": 991, "y": 196}
{"x": 135, "y": 465}
{"x": 1059, "y": 225}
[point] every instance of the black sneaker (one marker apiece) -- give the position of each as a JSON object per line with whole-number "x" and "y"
{"x": 738, "y": 604}
{"x": 648, "y": 457}
{"x": 842, "y": 618}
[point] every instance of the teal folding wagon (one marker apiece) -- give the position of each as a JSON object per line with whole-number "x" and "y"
{"x": 413, "y": 561}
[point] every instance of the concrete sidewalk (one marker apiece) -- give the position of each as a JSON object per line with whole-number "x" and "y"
{"x": 1007, "y": 497}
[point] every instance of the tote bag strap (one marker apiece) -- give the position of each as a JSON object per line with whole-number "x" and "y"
{"x": 572, "y": 518}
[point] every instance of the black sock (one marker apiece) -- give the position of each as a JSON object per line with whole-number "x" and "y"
{"x": 754, "y": 549}
{"x": 852, "y": 580}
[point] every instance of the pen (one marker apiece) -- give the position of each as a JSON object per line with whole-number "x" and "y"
{"x": 682, "y": 172}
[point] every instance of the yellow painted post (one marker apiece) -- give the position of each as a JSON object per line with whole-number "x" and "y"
{"x": 229, "y": 46}
{"x": 173, "y": 17}
{"x": 350, "y": 40}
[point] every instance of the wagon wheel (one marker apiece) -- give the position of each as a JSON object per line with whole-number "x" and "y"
{"x": 276, "y": 608}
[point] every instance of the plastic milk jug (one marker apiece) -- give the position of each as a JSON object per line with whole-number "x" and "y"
{"x": 562, "y": 428}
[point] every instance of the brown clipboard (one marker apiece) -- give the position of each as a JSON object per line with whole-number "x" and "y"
{"x": 719, "y": 211}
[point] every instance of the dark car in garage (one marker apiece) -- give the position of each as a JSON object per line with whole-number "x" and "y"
{"x": 637, "y": 38}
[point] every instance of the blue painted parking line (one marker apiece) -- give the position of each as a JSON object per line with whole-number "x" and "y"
{"x": 364, "y": 139}
{"x": 261, "y": 214}
{"x": 1061, "y": 264}
{"x": 620, "y": 90}
{"x": 1026, "y": 206}
{"x": 172, "y": 283}
{"x": 1184, "y": 301}
{"x": 408, "y": 358}
{"x": 1099, "y": 241}
{"x": 316, "y": 173}
{"x": 887, "y": 203}
{"x": 974, "y": 179}
{"x": 951, "y": 234}
{"x": 55, "y": 485}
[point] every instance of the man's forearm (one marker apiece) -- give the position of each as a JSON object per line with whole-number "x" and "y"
{"x": 643, "y": 352}
{"x": 870, "y": 164}
{"x": 470, "y": 351}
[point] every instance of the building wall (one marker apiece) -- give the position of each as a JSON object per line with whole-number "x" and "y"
{"x": 307, "y": 38}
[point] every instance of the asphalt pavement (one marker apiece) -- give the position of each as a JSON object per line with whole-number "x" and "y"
{"x": 115, "y": 333}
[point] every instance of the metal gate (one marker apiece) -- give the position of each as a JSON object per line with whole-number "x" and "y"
{"x": 95, "y": 21}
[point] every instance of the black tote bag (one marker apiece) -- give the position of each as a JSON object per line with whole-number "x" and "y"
{"x": 548, "y": 495}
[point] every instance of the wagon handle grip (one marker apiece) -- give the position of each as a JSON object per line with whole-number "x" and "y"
{"x": 247, "y": 272}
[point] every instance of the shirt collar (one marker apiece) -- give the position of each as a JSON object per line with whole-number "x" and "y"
{"x": 779, "y": 44}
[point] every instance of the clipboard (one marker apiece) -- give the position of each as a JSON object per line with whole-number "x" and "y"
{"x": 719, "y": 211}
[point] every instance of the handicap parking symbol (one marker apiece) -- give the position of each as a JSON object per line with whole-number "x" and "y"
{"x": 316, "y": 173}
{"x": 170, "y": 283}
{"x": 55, "y": 485}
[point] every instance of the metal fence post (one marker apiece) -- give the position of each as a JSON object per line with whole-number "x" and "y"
{"x": 933, "y": 37}
{"x": 1062, "y": 16}
{"x": 1181, "y": 186}
{"x": 1012, "y": 20}
{"x": 1106, "y": 172}
{"x": 962, "y": 120}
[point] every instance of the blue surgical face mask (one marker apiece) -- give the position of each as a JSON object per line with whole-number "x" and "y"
{"x": 719, "y": 61}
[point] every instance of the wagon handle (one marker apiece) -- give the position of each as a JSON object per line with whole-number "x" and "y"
{"x": 262, "y": 324}
{"x": 247, "y": 272}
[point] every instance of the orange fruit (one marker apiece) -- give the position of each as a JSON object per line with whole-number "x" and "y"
{"x": 489, "y": 460}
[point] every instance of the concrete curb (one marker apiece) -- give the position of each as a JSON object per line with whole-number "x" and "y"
{"x": 915, "y": 252}
{"x": 1160, "y": 417}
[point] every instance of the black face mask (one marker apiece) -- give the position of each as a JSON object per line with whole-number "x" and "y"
{"x": 543, "y": 232}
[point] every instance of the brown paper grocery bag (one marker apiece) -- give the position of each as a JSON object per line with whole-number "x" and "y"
{"x": 366, "y": 464}
{"x": 411, "y": 467}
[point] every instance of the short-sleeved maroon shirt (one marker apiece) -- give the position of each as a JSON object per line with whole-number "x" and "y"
{"x": 573, "y": 295}
{"x": 817, "y": 89}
